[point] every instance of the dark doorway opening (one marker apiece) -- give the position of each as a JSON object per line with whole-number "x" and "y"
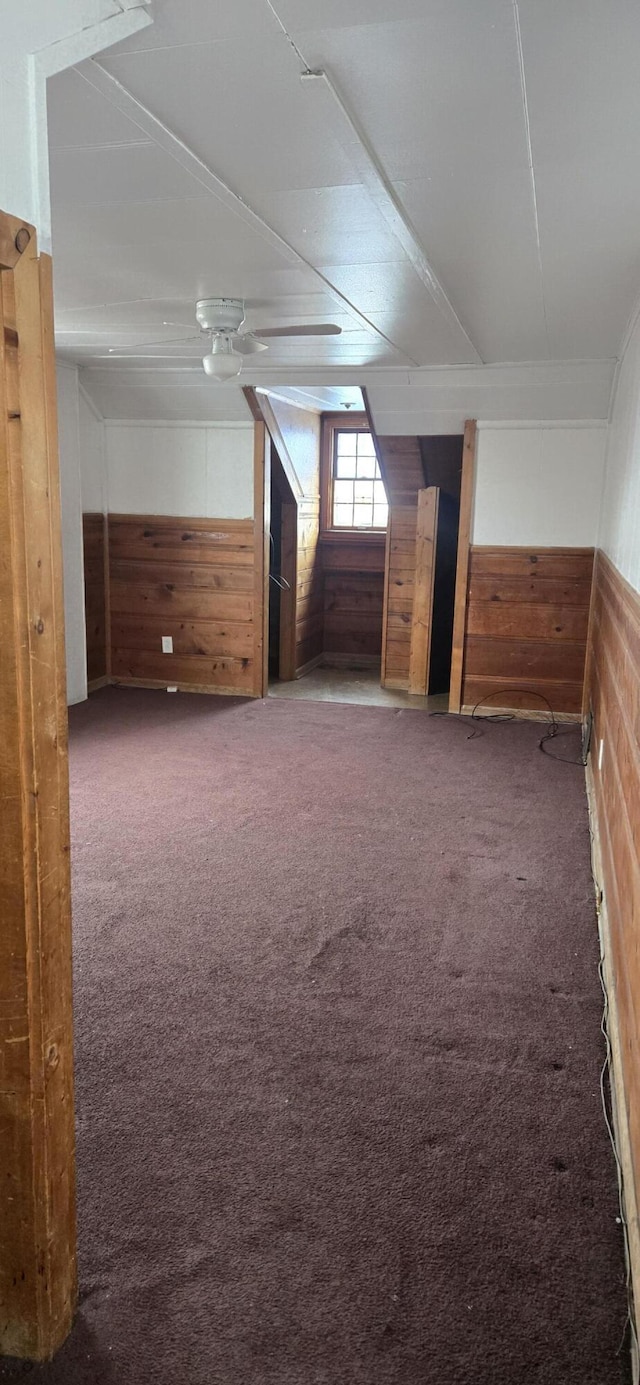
{"x": 442, "y": 467}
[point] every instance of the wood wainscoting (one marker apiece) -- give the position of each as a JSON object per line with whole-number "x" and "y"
{"x": 94, "y": 531}
{"x": 353, "y": 568}
{"x": 526, "y": 627}
{"x": 613, "y": 693}
{"x": 400, "y": 571}
{"x": 309, "y": 600}
{"x": 193, "y": 579}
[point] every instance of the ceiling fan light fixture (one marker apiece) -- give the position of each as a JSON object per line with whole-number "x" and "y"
{"x": 222, "y": 362}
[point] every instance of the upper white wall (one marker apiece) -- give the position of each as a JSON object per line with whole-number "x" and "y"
{"x": 72, "y": 550}
{"x": 198, "y": 470}
{"x": 40, "y": 39}
{"x": 538, "y": 486}
{"x": 93, "y": 461}
{"x": 619, "y": 533}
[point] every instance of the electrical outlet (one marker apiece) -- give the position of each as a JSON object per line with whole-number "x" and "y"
{"x": 600, "y": 752}
{"x": 167, "y": 644}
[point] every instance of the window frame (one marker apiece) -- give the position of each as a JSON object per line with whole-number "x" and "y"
{"x": 332, "y": 424}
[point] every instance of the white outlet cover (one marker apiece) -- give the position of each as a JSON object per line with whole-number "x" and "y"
{"x": 167, "y": 644}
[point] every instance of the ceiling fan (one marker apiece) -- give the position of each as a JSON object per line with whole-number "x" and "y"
{"x": 222, "y": 320}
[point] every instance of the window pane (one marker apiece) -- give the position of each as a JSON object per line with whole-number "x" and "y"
{"x": 363, "y": 492}
{"x": 347, "y": 443}
{"x": 343, "y": 492}
{"x": 366, "y": 466}
{"x": 379, "y": 496}
{"x": 343, "y": 515}
{"x": 345, "y": 466}
{"x": 365, "y": 445}
{"x": 380, "y": 516}
{"x": 362, "y": 515}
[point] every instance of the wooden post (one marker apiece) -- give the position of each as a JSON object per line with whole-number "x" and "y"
{"x": 462, "y": 564}
{"x": 37, "y": 1169}
{"x": 261, "y": 523}
{"x": 426, "y": 534}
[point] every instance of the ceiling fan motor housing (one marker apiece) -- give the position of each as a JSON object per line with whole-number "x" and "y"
{"x": 220, "y": 314}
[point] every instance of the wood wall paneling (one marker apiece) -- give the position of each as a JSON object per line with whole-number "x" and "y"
{"x": 613, "y": 692}
{"x": 37, "y": 1172}
{"x": 353, "y": 568}
{"x": 94, "y": 547}
{"x": 526, "y": 627}
{"x": 401, "y": 565}
{"x": 424, "y": 582}
{"x": 309, "y": 585}
{"x": 197, "y": 580}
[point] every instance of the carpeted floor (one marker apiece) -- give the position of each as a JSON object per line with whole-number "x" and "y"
{"x": 338, "y": 1053}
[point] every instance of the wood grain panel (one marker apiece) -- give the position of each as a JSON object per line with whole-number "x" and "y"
{"x": 38, "y": 1282}
{"x": 526, "y": 626}
{"x": 613, "y": 692}
{"x": 309, "y": 583}
{"x": 353, "y": 594}
{"x": 399, "y": 592}
{"x": 193, "y": 579}
{"x": 401, "y": 464}
{"x": 94, "y": 547}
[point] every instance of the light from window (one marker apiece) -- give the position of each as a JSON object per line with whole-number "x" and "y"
{"x": 359, "y": 498}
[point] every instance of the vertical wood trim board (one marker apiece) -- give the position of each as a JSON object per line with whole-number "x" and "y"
{"x": 526, "y": 627}
{"x": 462, "y": 563}
{"x": 198, "y": 580}
{"x": 422, "y": 613}
{"x": 261, "y": 557}
{"x": 400, "y": 576}
{"x": 613, "y": 692}
{"x": 37, "y": 1167}
{"x": 95, "y": 594}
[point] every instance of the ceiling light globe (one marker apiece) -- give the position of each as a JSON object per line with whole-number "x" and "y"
{"x": 222, "y": 363}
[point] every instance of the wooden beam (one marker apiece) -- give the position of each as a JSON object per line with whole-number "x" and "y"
{"x": 425, "y": 570}
{"x": 37, "y": 1170}
{"x": 261, "y": 522}
{"x": 462, "y": 563}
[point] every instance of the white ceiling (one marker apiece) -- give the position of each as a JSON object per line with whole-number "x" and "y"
{"x": 191, "y": 161}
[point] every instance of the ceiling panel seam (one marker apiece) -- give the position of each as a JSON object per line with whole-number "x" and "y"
{"x": 532, "y": 173}
{"x": 363, "y": 154}
{"x": 103, "y": 81}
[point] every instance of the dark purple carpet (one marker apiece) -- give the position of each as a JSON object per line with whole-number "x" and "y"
{"x": 338, "y": 1050}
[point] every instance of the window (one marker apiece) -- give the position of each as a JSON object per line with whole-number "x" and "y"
{"x": 357, "y": 497}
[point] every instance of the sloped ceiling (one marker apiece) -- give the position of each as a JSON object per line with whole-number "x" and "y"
{"x": 192, "y": 161}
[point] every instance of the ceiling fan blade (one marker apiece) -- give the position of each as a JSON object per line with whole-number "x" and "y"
{"x": 315, "y": 329}
{"x": 161, "y": 341}
{"x": 247, "y": 344}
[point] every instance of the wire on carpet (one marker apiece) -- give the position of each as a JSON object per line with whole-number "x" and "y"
{"x": 552, "y": 733}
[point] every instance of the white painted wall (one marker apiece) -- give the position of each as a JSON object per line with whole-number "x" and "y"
{"x": 72, "y": 555}
{"x": 93, "y": 460}
{"x": 538, "y": 486}
{"x": 619, "y": 533}
{"x": 40, "y": 38}
{"x": 198, "y": 470}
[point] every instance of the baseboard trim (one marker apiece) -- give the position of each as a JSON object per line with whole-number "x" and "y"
{"x": 97, "y": 683}
{"x": 161, "y": 685}
{"x": 618, "y": 1103}
{"x": 309, "y": 666}
{"x": 522, "y": 713}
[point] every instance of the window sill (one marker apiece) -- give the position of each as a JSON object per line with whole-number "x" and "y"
{"x": 353, "y": 535}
